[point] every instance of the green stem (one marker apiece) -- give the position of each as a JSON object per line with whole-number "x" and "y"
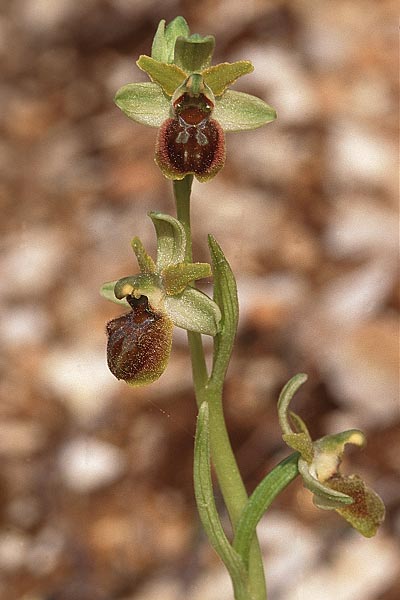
{"x": 210, "y": 390}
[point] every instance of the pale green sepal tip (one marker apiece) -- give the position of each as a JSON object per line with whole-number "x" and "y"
{"x": 171, "y": 240}
{"x": 177, "y": 277}
{"x": 107, "y": 292}
{"x": 236, "y": 111}
{"x": 329, "y": 498}
{"x": 194, "y": 311}
{"x": 194, "y": 53}
{"x": 144, "y": 103}
{"x": 221, "y": 76}
{"x": 145, "y": 262}
{"x": 167, "y": 76}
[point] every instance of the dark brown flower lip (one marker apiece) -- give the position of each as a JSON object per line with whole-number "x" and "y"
{"x": 139, "y": 343}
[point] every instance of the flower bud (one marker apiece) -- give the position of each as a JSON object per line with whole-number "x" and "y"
{"x": 139, "y": 343}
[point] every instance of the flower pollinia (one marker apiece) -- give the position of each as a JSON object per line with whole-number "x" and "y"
{"x": 160, "y": 296}
{"x": 319, "y": 468}
{"x": 188, "y": 100}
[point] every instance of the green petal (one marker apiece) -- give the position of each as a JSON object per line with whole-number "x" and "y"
{"x": 107, "y": 291}
{"x": 221, "y": 76}
{"x": 194, "y": 53}
{"x": 144, "y": 103}
{"x": 171, "y": 240}
{"x": 145, "y": 262}
{"x": 194, "y": 311}
{"x": 177, "y": 277}
{"x": 324, "y": 496}
{"x": 236, "y": 111}
{"x": 367, "y": 511}
{"x": 167, "y": 76}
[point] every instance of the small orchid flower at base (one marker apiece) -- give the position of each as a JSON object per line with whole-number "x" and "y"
{"x": 160, "y": 296}
{"x": 319, "y": 463}
{"x": 189, "y": 102}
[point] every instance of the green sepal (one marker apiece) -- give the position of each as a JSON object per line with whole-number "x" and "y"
{"x": 145, "y": 262}
{"x": 107, "y": 292}
{"x": 168, "y": 76}
{"x": 171, "y": 240}
{"x": 194, "y": 311}
{"x": 205, "y": 500}
{"x": 144, "y": 103}
{"x": 367, "y": 511}
{"x": 164, "y": 40}
{"x": 177, "y": 277}
{"x": 285, "y": 397}
{"x": 236, "y": 111}
{"x": 159, "y": 50}
{"x": 225, "y": 295}
{"x": 194, "y": 53}
{"x": 221, "y": 76}
{"x": 177, "y": 28}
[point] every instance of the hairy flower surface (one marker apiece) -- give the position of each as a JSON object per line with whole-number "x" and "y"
{"x": 189, "y": 102}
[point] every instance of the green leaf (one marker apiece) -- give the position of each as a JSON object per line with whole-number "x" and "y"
{"x": 167, "y": 76}
{"x": 107, "y": 291}
{"x": 221, "y": 76}
{"x": 144, "y": 103}
{"x": 236, "y": 111}
{"x": 145, "y": 262}
{"x": 206, "y": 504}
{"x": 171, "y": 240}
{"x": 194, "y": 53}
{"x": 225, "y": 295}
{"x": 194, "y": 311}
{"x": 177, "y": 277}
{"x": 259, "y": 502}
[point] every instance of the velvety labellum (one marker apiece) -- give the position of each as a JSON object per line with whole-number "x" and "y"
{"x": 139, "y": 343}
{"x": 191, "y": 142}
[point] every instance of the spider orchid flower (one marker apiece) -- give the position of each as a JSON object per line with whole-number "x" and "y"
{"x": 188, "y": 100}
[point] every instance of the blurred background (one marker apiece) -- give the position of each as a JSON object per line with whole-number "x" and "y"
{"x": 96, "y": 499}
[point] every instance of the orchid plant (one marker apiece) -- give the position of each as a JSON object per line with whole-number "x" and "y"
{"x": 188, "y": 100}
